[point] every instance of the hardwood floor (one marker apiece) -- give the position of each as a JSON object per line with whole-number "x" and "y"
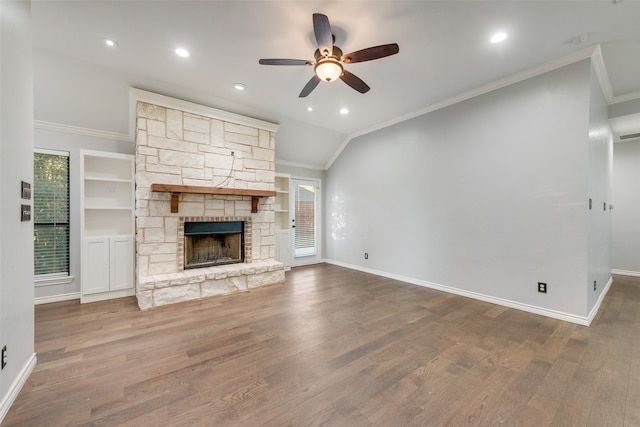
{"x": 333, "y": 347}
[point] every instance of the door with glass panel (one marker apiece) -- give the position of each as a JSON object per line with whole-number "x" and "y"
{"x": 305, "y": 221}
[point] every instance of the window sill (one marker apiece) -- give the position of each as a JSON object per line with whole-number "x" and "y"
{"x": 50, "y": 281}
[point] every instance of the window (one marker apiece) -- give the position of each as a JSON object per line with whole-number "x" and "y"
{"x": 51, "y": 214}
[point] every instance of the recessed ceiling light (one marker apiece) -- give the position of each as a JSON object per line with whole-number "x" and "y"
{"x": 309, "y": 108}
{"x": 239, "y": 86}
{"x": 184, "y": 53}
{"x": 110, "y": 42}
{"x": 498, "y": 37}
{"x": 344, "y": 111}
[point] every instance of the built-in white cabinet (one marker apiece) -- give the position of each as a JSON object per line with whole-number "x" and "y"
{"x": 107, "y": 264}
{"x": 107, "y": 225}
{"x": 282, "y": 220}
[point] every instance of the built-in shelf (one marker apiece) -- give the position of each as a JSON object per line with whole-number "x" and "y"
{"x": 109, "y": 208}
{"x": 176, "y": 190}
{"x": 107, "y": 225}
{"x": 282, "y": 220}
{"x": 102, "y": 179}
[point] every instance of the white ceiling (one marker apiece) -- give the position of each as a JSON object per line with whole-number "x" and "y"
{"x": 444, "y": 51}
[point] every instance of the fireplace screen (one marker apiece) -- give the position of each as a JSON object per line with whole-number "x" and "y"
{"x": 213, "y": 243}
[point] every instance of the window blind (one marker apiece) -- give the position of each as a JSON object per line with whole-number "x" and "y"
{"x": 51, "y": 214}
{"x": 305, "y": 233}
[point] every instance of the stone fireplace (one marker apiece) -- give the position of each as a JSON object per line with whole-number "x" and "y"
{"x": 194, "y": 244}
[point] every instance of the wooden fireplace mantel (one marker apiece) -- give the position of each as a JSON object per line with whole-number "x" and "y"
{"x": 176, "y": 190}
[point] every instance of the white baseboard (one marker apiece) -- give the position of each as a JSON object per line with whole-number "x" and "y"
{"x": 626, "y": 273}
{"x": 568, "y": 317}
{"x": 56, "y": 298}
{"x": 598, "y": 303}
{"x": 17, "y": 385}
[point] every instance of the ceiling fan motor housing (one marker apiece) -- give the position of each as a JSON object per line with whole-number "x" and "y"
{"x": 328, "y": 68}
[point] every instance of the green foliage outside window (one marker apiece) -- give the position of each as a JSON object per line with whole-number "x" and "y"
{"x": 51, "y": 214}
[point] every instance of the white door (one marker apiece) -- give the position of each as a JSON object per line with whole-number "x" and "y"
{"x": 305, "y": 221}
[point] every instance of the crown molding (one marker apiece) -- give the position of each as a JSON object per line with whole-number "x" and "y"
{"x": 299, "y": 165}
{"x": 602, "y": 75}
{"x": 481, "y": 90}
{"x": 344, "y": 144}
{"x": 136, "y": 95}
{"x": 605, "y": 81}
{"x": 625, "y": 97}
{"x": 77, "y": 130}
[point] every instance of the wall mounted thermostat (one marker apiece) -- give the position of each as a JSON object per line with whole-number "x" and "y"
{"x": 25, "y": 213}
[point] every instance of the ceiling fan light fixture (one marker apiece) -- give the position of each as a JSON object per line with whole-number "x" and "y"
{"x": 328, "y": 69}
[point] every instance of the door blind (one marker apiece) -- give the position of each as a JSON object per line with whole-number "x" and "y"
{"x": 305, "y": 214}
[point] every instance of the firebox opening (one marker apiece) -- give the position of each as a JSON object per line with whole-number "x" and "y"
{"x": 213, "y": 243}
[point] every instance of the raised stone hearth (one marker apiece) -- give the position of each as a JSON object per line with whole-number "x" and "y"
{"x": 180, "y": 143}
{"x": 207, "y": 282}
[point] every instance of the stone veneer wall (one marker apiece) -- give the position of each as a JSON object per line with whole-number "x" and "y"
{"x": 178, "y": 147}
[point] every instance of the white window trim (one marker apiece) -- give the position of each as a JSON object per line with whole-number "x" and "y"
{"x": 52, "y": 279}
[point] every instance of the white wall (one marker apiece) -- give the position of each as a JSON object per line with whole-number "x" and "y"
{"x": 16, "y": 164}
{"x": 486, "y": 197}
{"x": 600, "y": 176}
{"x": 625, "y": 254}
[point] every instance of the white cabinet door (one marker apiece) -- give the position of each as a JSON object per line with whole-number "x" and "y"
{"x": 283, "y": 248}
{"x": 95, "y": 265}
{"x": 121, "y": 263}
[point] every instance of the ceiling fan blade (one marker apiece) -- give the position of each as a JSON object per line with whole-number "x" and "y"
{"x": 284, "y": 62}
{"x": 375, "y": 52}
{"x": 311, "y": 85}
{"x": 322, "y": 30}
{"x": 354, "y": 81}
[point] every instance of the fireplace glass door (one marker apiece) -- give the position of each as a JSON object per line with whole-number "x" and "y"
{"x": 213, "y": 243}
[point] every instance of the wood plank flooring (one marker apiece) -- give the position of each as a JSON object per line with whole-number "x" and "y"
{"x": 333, "y": 347}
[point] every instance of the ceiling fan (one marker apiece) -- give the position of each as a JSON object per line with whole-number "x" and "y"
{"x": 328, "y": 58}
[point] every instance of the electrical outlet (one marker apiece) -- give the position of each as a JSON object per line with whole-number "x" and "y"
{"x": 366, "y": 255}
{"x": 542, "y": 287}
{"x": 595, "y": 286}
{"x": 4, "y": 357}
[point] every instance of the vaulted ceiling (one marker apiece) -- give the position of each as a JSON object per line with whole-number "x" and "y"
{"x": 444, "y": 52}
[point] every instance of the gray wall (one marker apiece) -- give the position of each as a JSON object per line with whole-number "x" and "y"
{"x": 625, "y": 254}
{"x": 486, "y": 197}
{"x": 16, "y": 164}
